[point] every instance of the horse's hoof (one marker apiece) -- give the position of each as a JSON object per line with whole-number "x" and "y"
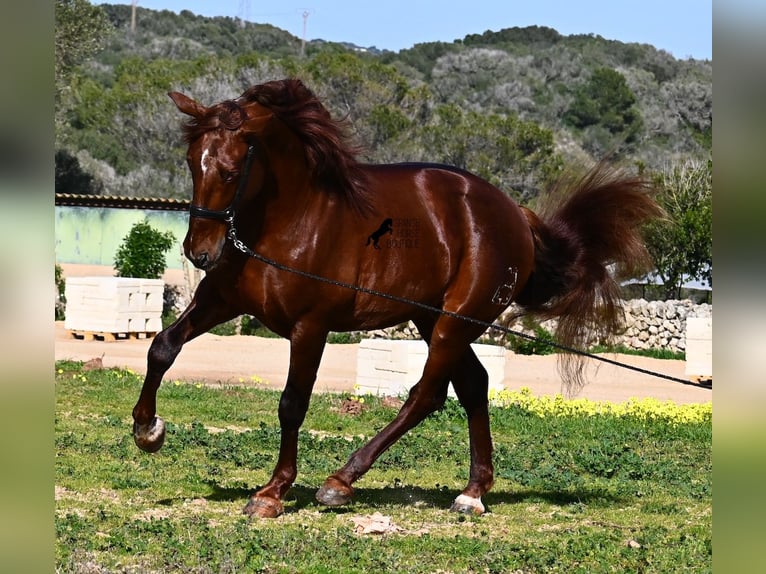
{"x": 263, "y": 507}
{"x": 151, "y": 437}
{"x": 334, "y": 493}
{"x": 468, "y": 505}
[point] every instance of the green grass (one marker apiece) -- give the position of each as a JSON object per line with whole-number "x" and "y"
{"x": 600, "y": 493}
{"x": 653, "y": 353}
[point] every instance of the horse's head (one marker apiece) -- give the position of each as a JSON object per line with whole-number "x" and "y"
{"x": 295, "y": 139}
{"x": 221, "y": 140}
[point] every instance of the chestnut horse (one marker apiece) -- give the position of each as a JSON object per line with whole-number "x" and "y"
{"x": 274, "y": 177}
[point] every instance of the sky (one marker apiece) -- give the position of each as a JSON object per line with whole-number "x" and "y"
{"x": 681, "y": 27}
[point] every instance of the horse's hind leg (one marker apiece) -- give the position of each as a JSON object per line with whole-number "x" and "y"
{"x": 204, "y": 312}
{"x": 471, "y": 383}
{"x": 427, "y": 396}
{"x": 448, "y": 342}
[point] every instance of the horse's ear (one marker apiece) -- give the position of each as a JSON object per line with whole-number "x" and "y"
{"x": 187, "y": 105}
{"x": 257, "y": 124}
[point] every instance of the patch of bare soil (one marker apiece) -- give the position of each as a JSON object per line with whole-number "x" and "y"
{"x": 256, "y": 360}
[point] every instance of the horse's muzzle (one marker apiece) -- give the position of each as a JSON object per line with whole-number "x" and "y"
{"x": 201, "y": 261}
{"x": 203, "y": 251}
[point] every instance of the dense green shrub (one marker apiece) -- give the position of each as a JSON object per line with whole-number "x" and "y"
{"x": 537, "y": 346}
{"x": 71, "y": 177}
{"x": 142, "y": 252}
{"x": 60, "y": 298}
{"x": 606, "y": 101}
{"x": 681, "y": 244}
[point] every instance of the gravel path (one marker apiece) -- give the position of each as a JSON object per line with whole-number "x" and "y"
{"x": 234, "y": 359}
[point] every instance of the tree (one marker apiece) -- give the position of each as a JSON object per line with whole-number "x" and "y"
{"x": 606, "y": 101}
{"x": 682, "y": 244}
{"x": 81, "y": 30}
{"x": 142, "y": 252}
{"x": 70, "y": 177}
{"x": 512, "y": 89}
{"x": 518, "y": 157}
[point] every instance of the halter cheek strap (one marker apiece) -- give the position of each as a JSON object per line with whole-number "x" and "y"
{"x": 227, "y": 214}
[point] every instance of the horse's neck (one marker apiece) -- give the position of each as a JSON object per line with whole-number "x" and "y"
{"x": 291, "y": 205}
{"x": 291, "y": 200}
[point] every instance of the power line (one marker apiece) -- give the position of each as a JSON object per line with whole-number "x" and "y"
{"x": 244, "y": 12}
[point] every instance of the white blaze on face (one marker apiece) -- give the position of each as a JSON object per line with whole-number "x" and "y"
{"x": 205, "y": 162}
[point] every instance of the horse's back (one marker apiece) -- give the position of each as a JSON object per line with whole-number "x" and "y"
{"x": 449, "y": 225}
{"x": 453, "y": 200}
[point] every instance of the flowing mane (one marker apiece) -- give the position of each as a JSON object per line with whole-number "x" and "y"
{"x": 330, "y": 156}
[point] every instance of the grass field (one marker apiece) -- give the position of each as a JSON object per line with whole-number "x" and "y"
{"x": 580, "y": 487}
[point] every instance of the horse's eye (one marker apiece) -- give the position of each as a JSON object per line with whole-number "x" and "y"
{"x": 228, "y": 176}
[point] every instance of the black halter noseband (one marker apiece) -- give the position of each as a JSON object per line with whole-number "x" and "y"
{"x": 227, "y": 214}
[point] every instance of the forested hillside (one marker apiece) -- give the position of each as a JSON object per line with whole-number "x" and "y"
{"x": 514, "y": 106}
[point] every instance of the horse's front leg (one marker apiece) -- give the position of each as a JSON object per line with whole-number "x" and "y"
{"x": 206, "y": 310}
{"x": 306, "y": 348}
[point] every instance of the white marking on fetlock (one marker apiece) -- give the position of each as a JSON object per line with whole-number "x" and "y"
{"x": 467, "y": 502}
{"x": 150, "y": 437}
{"x": 154, "y": 431}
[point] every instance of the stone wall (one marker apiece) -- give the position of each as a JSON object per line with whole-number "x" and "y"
{"x": 660, "y": 324}
{"x": 657, "y": 325}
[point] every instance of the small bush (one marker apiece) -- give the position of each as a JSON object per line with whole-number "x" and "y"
{"x": 252, "y": 326}
{"x": 653, "y": 353}
{"x": 168, "y": 318}
{"x": 243, "y": 325}
{"x": 142, "y": 252}
{"x": 538, "y": 346}
{"x": 60, "y": 298}
{"x": 344, "y": 338}
{"x": 225, "y": 329}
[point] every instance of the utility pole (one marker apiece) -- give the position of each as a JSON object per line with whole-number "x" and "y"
{"x": 303, "y": 41}
{"x": 133, "y": 16}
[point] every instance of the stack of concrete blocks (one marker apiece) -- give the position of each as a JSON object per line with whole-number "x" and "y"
{"x": 113, "y": 305}
{"x": 699, "y": 348}
{"x": 391, "y": 367}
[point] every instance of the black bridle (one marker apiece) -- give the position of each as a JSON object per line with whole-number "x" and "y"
{"x": 227, "y": 215}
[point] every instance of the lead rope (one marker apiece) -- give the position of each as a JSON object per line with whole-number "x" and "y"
{"x": 232, "y": 235}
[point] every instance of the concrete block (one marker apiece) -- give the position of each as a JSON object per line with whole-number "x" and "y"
{"x": 393, "y": 367}
{"x": 113, "y": 304}
{"x": 699, "y": 347}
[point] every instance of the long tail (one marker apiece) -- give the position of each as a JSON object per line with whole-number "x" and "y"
{"x": 584, "y": 245}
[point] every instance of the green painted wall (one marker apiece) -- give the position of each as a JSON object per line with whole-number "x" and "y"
{"x": 92, "y": 235}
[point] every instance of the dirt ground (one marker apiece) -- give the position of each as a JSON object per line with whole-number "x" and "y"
{"x": 234, "y": 359}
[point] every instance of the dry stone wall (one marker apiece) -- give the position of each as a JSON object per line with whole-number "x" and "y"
{"x": 657, "y": 325}
{"x": 660, "y": 324}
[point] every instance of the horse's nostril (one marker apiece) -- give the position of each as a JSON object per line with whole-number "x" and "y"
{"x": 201, "y": 261}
